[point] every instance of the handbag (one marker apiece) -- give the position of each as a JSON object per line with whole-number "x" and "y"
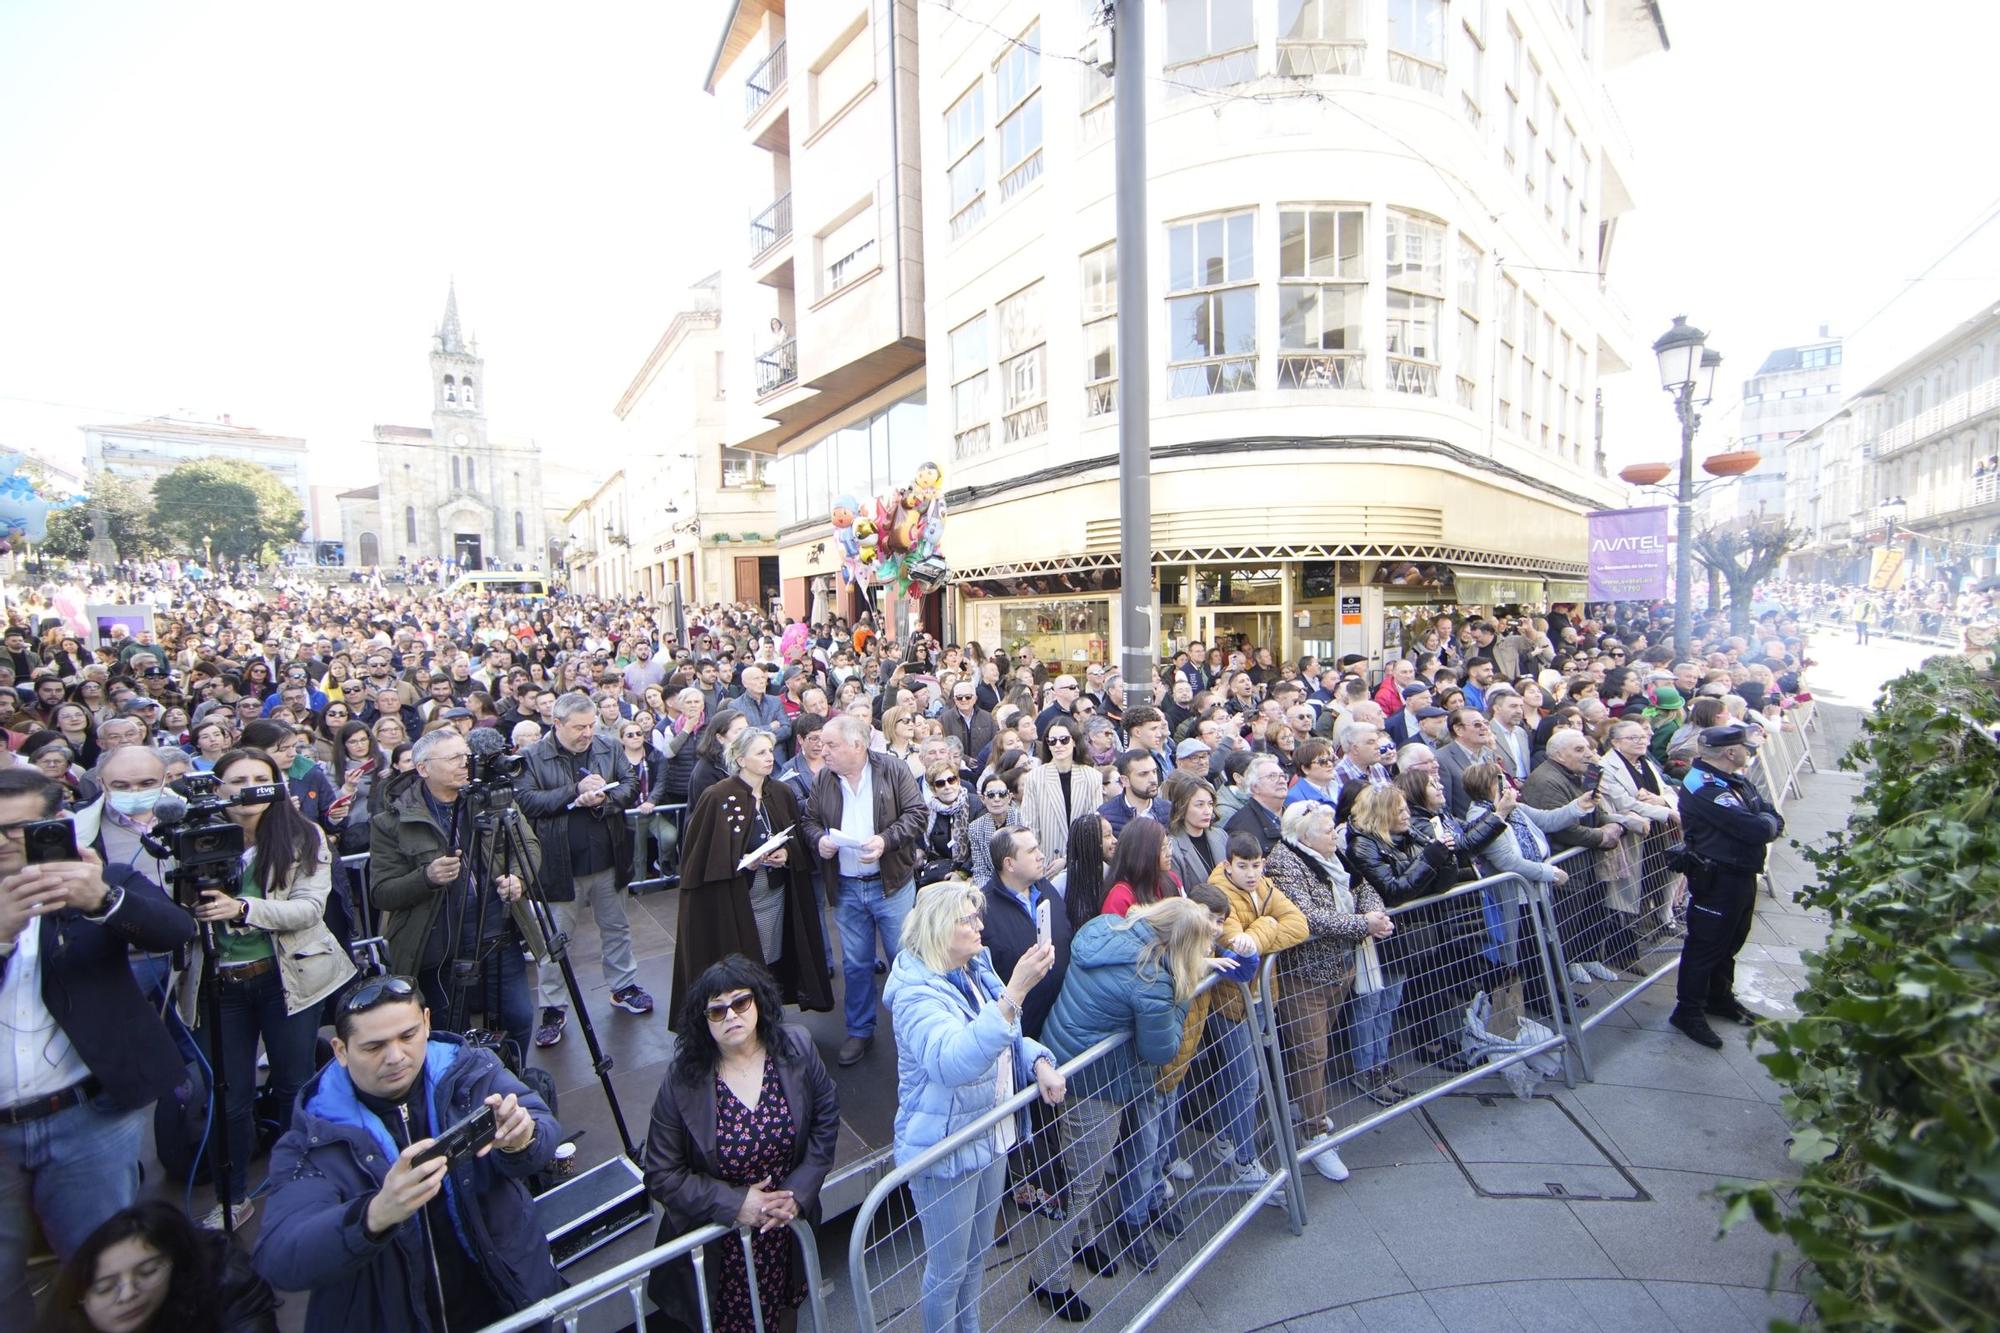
{"x": 1367, "y": 968}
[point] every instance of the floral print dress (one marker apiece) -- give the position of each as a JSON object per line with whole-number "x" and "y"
{"x": 750, "y": 1144}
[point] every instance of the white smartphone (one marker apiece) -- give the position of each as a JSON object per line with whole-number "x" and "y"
{"x": 1044, "y": 927}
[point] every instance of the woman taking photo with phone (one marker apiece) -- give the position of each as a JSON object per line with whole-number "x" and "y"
{"x": 275, "y": 958}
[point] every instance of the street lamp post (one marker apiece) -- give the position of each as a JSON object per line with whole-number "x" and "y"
{"x": 1687, "y": 371}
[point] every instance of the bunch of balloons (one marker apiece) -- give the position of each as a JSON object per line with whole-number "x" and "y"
{"x": 896, "y": 539}
{"x": 24, "y": 512}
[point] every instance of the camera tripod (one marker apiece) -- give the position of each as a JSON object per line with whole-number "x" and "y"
{"x": 495, "y": 832}
{"x": 188, "y": 882}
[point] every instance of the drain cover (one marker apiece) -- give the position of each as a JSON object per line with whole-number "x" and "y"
{"x": 1535, "y": 1149}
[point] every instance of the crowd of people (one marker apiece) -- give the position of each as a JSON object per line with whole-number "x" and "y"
{"x": 1015, "y": 858}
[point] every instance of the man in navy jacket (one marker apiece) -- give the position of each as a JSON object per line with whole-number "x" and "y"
{"x": 84, "y": 1055}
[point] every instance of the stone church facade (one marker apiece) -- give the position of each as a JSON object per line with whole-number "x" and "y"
{"x": 449, "y": 491}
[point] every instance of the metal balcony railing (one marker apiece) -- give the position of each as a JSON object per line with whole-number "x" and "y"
{"x": 1953, "y": 411}
{"x": 772, "y": 225}
{"x": 778, "y": 367}
{"x": 764, "y": 81}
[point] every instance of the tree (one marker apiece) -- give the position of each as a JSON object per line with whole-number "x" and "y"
{"x": 236, "y": 508}
{"x": 1745, "y": 556}
{"x": 127, "y": 506}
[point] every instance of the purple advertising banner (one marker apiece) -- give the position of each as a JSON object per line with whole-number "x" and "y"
{"x": 1628, "y": 554}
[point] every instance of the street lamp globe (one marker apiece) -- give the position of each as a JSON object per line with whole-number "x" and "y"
{"x": 1891, "y": 510}
{"x": 1679, "y": 351}
{"x": 1711, "y": 361}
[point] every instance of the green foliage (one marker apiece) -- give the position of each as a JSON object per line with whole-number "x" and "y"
{"x": 127, "y": 505}
{"x": 239, "y": 508}
{"x": 1894, "y": 1064}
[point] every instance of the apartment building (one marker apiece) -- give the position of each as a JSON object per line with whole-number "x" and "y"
{"x": 824, "y": 308}
{"x": 1378, "y": 297}
{"x": 1794, "y": 390}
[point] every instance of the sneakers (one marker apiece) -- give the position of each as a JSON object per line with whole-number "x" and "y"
{"x": 1179, "y": 1169}
{"x": 632, "y": 1000}
{"x": 551, "y": 1030}
{"x": 854, "y": 1050}
{"x": 1580, "y": 974}
{"x": 1733, "y": 1011}
{"x": 1696, "y": 1027}
{"x": 1599, "y": 970}
{"x": 1374, "y": 1085}
{"x": 239, "y": 1215}
{"x": 1328, "y": 1164}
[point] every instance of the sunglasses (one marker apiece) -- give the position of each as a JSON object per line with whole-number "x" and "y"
{"x": 1060, "y": 739}
{"x": 997, "y": 794}
{"x": 382, "y": 990}
{"x": 722, "y": 1009}
{"x": 944, "y": 782}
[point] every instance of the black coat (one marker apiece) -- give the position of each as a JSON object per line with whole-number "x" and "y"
{"x": 1009, "y": 931}
{"x": 1728, "y": 822}
{"x": 680, "y": 1164}
{"x": 547, "y": 786}
{"x": 87, "y": 987}
{"x": 1402, "y": 870}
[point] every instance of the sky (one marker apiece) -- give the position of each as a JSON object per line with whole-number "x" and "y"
{"x": 254, "y": 209}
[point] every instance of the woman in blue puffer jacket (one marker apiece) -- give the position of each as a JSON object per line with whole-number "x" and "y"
{"x": 1133, "y": 976}
{"x": 959, "y": 1052}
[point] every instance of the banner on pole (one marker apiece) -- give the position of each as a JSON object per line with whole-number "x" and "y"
{"x": 1628, "y": 554}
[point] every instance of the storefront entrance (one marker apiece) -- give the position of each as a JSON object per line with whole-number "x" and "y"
{"x": 1254, "y": 629}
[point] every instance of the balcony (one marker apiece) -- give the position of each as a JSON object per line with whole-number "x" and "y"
{"x": 764, "y": 82}
{"x": 1416, "y": 72}
{"x": 1308, "y": 59}
{"x": 1100, "y": 398}
{"x": 1322, "y": 370}
{"x": 1415, "y": 377}
{"x": 1978, "y": 492}
{"x": 1953, "y": 411}
{"x": 771, "y": 226}
{"x": 778, "y": 368}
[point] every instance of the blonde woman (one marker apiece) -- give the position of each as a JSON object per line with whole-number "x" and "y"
{"x": 959, "y": 1051}
{"x": 899, "y": 734}
{"x": 1133, "y": 975}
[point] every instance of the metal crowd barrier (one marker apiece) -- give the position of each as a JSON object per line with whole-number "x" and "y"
{"x": 628, "y": 1279}
{"x": 1590, "y": 931}
{"x": 1482, "y": 941}
{"x": 643, "y": 828}
{"x": 1142, "y": 1194}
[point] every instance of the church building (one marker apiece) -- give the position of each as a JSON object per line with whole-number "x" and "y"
{"x": 449, "y": 491}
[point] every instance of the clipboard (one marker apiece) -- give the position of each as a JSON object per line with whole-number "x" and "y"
{"x": 765, "y": 848}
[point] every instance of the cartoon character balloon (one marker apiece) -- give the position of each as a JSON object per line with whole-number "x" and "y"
{"x": 905, "y": 530}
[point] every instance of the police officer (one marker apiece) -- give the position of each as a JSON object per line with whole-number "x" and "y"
{"x": 1728, "y": 827}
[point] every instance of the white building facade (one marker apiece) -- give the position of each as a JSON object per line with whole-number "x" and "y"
{"x": 1794, "y": 390}
{"x": 1379, "y": 247}
{"x": 147, "y": 450}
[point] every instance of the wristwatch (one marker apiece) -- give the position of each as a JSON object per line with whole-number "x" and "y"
{"x": 112, "y": 897}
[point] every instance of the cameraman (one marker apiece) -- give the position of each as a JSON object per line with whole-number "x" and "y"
{"x": 383, "y": 1244}
{"x": 577, "y": 787}
{"x": 72, "y": 1114}
{"x": 439, "y": 910}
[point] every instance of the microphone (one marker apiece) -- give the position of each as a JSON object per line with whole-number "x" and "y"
{"x": 170, "y": 808}
{"x": 485, "y": 741}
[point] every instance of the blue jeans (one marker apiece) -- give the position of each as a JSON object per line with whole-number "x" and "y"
{"x": 501, "y": 996}
{"x": 253, "y": 1009}
{"x": 862, "y": 913}
{"x": 956, "y": 1213}
{"x": 72, "y": 1170}
{"x": 1370, "y": 1020}
{"x": 1227, "y": 1058}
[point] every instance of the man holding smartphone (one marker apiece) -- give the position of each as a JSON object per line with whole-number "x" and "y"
{"x": 83, "y": 1055}
{"x": 381, "y": 1233}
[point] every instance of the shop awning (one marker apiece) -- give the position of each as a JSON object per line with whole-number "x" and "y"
{"x": 1568, "y": 590}
{"x": 1493, "y": 587}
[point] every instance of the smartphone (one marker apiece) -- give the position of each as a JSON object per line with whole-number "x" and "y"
{"x": 1592, "y": 775}
{"x": 50, "y": 840}
{"x": 463, "y": 1139}
{"x": 1044, "y": 925}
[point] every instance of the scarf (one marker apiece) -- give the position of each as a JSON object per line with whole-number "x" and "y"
{"x": 1331, "y": 871}
{"x": 939, "y": 807}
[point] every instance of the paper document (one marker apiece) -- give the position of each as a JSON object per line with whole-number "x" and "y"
{"x": 846, "y": 841}
{"x": 764, "y": 849}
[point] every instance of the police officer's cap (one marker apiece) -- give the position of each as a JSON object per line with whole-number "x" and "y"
{"x": 1721, "y": 738}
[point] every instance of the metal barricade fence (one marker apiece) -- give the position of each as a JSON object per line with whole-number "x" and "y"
{"x": 1594, "y": 933}
{"x": 1467, "y": 980}
{"x": 1121, "y": 1201}
{"x": 628, "y": 1279}
{"x": 663, "y": 824}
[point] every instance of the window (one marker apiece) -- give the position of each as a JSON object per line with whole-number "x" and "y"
{"x": 1503, "y": 375}
{"x": 1100, "y": 331}
{"x": 1017, "y": 96}
{"x": 1322, "y": 282}
{"x": 1530, "y": 325}
{"x": 1468, "y": 68}
{"x": 1551, "y": 405}
{"x": 1023, "y": 366}
{"x": 457, "y": 482}
{"x": 520, "y": 529}
{"x": 1319, "y": 37}
{"x": 1094, "y": 125}
{"x": 410, "y": 524}
{"x": 1566, "y": 421}
{"x": 965, "y": 150}
{"x": 1212, "y": 305}
{"x": 843, "y": 75}
{"x": 1537, "y": 116}
{"x": 1210, "y": 44}
{"x": 1415, "y": 247}
{"x": 848, "y": 250}
{"x": 970, "y": 432}
{"x": 1512, "y": 71}
{"x": 1416, "y": 43}
{"x": 718, "y": 375}
{"x": 742, "y": 468}
{"x": 471, "y": 473}
{"x": 1469, "y": 349}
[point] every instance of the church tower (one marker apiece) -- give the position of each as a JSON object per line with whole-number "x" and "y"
{"x": 465, "y": 476}
{"x": 458, "y": 373}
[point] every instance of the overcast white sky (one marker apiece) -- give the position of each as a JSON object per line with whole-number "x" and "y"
{"x": 254, "y": 208}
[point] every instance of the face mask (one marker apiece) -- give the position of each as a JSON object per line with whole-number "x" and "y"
{"x": 301, "y": 765}
{"x": 134, "y": 802}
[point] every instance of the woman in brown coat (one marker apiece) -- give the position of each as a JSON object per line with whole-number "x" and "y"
{"x": 766, "y": 911}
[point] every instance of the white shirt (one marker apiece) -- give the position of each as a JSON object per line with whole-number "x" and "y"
{"x": 857, "y": 821}
{"x": 1514, "y": 744}
{"x": 36, "y": 1058}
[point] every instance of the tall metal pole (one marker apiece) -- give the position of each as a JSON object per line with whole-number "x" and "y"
{"x": 1135, "y": 461}
{"x": 1684, "y": 526}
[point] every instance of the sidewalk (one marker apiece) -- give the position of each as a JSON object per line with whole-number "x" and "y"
{"x": 1449, "y": 1221}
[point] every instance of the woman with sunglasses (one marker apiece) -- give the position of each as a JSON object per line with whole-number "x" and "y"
{"x": 649, "y": 767}
{"x": 998, "y": 810}
{"x": 324, "y": 728}
{"x": 1060, "y": 788}
{"x": 275, "y": 959}
{"x": 948, "y": 843}
{"x": 743, "y": 1134}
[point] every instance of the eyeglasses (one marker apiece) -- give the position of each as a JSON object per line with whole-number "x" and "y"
{"x": 718, "y": 1010}
{"x": 382, "y": 990}
{"x": 972, "y": 919}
